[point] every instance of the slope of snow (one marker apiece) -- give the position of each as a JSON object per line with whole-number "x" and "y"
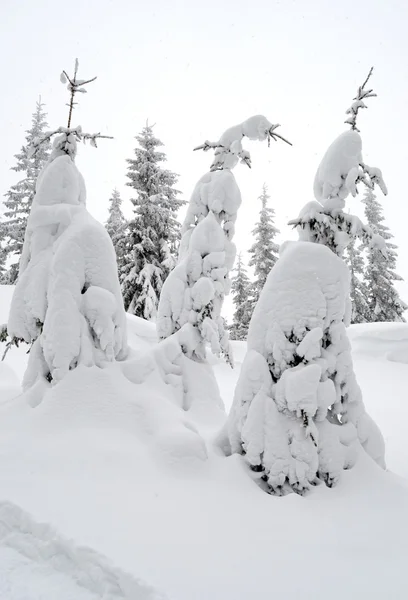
{"x": 103, "y": 461}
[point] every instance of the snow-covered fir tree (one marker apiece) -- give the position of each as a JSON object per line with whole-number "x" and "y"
{"x": 154, "y": 231}
{"x": 298, "y": 414}
{"x": 264, "y": 252}
{"x": 67, "y": 302}
{"x": 384, "y": 302}
{"x": 3, "y": 256}
{"x": 241, "y": 289}
{"x": 20, "y": 196}
{"x": 358, "y": 289}
{"x": 193, "y": 294}
{"x": 116, "y": 226}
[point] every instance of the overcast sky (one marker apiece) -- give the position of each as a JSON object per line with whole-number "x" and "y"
{"x": 196, "y": 68}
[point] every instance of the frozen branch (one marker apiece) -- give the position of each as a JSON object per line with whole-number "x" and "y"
{"x": 74, "y": 86}
{"x": 358, "y": 102}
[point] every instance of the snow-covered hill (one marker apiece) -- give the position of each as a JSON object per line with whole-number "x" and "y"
{"x": 103, "y": 461}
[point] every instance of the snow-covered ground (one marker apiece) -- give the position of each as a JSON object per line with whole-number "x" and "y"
{"x": 96, "y": 462}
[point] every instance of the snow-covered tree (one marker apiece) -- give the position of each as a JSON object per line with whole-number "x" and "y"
{"x": 264, "y": 252}
{"x": 298, "y": 414}
{"x": 154, "y": 232}
{"x": 3, "y": 256}
{"x": 384, "y": 302}
{"x": 116, "y": 226}
{"x": 67, "y": 302}
{"x": 193, "y": 294}
{"x": 241, "y": 289}
{"x": 358, "y": 290}
{"x": 20, "y": 196}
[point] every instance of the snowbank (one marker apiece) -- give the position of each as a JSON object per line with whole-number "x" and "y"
{"x": 88, "y": 464}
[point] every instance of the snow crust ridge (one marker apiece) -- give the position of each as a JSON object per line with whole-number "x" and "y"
{"x": 41, "y": 543}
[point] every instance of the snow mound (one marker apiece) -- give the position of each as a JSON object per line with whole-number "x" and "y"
{"x": 386, "y": 340}
{"x": 38, "y": 563}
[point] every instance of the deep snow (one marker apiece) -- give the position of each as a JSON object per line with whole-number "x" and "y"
{"x": 97, "y": 462}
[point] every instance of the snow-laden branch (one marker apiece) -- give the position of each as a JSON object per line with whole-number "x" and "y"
{"x": 67, "y": 142}
{"x": 358, "y": 102}
{"x": 229, "y": 150}
{"x": 334, "y": 228}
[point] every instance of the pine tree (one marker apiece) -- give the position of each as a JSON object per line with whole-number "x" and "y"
{"x": 358, "y": 289}
{"x": 20, "y": 195}
{"x": 383, "y": 299}
{"x": 75, "y": 315}
{"x": 154, "y": 231}
{"x": 116, "y": 226}
{"x": 264, "y": 252}
{"x": 241, "y": 290}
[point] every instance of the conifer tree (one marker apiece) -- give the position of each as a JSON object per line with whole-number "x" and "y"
{"x": 116, "y": 226}
{"x": 154, "y": 232}
{"x": 2, "y": 264}
{"x": 264, "y": 252}
{"x": 358, "y": 289}
{"x": 20, "y": 196}
{"x": 194, "y": 293}
{"x": 67, "y": 301}
{"x": 384, "y": 302}
{"x": 241, "y": 290}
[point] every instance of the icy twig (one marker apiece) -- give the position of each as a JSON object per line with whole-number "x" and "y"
{"x": 358, "y": 102}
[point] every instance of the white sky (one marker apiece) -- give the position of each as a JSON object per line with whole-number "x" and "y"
{"x": 196, "y": 68}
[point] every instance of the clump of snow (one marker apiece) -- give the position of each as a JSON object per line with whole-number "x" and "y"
{"x": 341, "y": 168}
{"x": 67, "y": 299}
{"x": 298, "y": 411}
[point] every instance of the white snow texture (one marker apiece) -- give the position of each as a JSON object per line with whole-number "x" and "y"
{"x": 298, "y": 411}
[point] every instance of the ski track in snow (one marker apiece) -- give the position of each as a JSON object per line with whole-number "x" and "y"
{"x": 36, "y": 563}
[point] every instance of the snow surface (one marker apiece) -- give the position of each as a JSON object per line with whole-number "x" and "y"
{"x": 93, "y": 462}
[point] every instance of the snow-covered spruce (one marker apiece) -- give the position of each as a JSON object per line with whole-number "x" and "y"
{"x": 358, "y": 289}
{"x": 116, "y": 226}
{"x": 384, "y": 302}
{"x": 194, "y": 292}
{"x": 20, "y": 196}
{"x": 154, "y": 232}
{"x": 298, "y": 414}
{"x": 67, "y": 300}
{"x": 264, "y": 251}
{"x": 241, "y": 288}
